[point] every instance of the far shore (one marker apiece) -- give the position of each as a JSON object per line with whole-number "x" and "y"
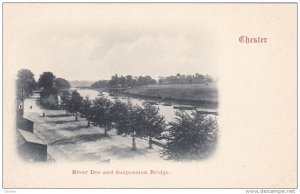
{"x": 204, "y": 96}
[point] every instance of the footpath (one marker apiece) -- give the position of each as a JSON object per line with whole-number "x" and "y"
{"x": 70, "y": 140}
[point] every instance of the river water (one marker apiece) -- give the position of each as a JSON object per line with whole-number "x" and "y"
{"x": 167, "y": 111}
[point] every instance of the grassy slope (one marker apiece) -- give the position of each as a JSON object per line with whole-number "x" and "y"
{"x": 204, "y": 92}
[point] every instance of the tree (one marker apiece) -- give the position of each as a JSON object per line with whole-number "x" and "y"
{"x": 47, "y": 92}
{"x": 119, "y": 112}
{"x": 186, "y": 79}
{"x": 100, "y": 113}
{"x": 161, "y": 80}
{"x": 114, "y": 80}
{"x": 86, "y": 109}
{"x": 131, "y": 123}
{"x": 136, "y": 124}
{"x": 25, "y": 83}
{"x": 129, "y": 81}
{"x": 46, "y": 80}
{"x": 66, "y": 101}
{"x": 154, "y": 123}
{"x": 191, "y": 136}
{"x": 62, "y": 83}
{"x": 100, "y": 84}
{"x": 75, "y": 103}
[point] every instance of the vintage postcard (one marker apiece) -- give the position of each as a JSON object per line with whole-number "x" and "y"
{"x": 149, "y": 95}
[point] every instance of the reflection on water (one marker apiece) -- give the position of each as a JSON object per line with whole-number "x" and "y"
{"x": 167, "y": 111}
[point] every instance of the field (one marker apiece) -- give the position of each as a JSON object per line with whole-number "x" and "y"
{"x": 193, "y": 93}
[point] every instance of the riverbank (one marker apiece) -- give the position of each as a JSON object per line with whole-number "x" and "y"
{"x": 70, "y": 140}
{"x": 204, "y": 95}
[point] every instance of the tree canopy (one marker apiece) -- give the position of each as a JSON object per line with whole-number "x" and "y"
{"x": 85, "y": 109}
{"x": 130, "y": 81}
{"x": 25, "y": 83}
{"x": 153, "y": 123}
{"x": 124, "y": 81}
{"x": 185, "y": 79}
{"x": 100, "y": 84}
{"x": 46, "y": 80}
{"x": 51, "y": 85}
{"x": 62, "y": 83}
{"x": 131, "y": 123}
{"x": 65, "y": 101}
{"x": 101, "y": 113}
{"x": 75, "y": 103}
{"x": 191, "y": 136}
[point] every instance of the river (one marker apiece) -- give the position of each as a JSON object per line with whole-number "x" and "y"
{"x": 167, "y": 111}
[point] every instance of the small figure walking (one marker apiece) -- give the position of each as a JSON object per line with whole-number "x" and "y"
{"x": 43, "y": 114}
{"x": 30, "y": 107}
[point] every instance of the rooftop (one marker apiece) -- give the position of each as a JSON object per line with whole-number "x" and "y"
{"x": 30, "y": 137}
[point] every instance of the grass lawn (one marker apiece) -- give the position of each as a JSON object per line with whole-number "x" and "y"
{"x": 204, "y": 92}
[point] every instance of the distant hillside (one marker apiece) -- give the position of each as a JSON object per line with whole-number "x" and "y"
{"x": 77, "y": 83}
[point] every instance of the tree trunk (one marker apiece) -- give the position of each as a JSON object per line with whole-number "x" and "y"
{"x": 150, "y": 142}
{"x": 89, "y": 123}
{"x": 66, "y": 112}
{"x": 76, "y": 117}
{"x": 133, "y": 143}
{"x": 105, "y": 130}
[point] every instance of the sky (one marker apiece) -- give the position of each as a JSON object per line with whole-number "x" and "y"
{"x": 94, "y": 42}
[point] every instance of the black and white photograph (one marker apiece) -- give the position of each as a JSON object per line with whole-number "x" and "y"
{"x": 103, "y": 91}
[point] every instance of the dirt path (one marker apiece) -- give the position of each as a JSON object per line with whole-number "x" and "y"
{"x": 70, "y": 140}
